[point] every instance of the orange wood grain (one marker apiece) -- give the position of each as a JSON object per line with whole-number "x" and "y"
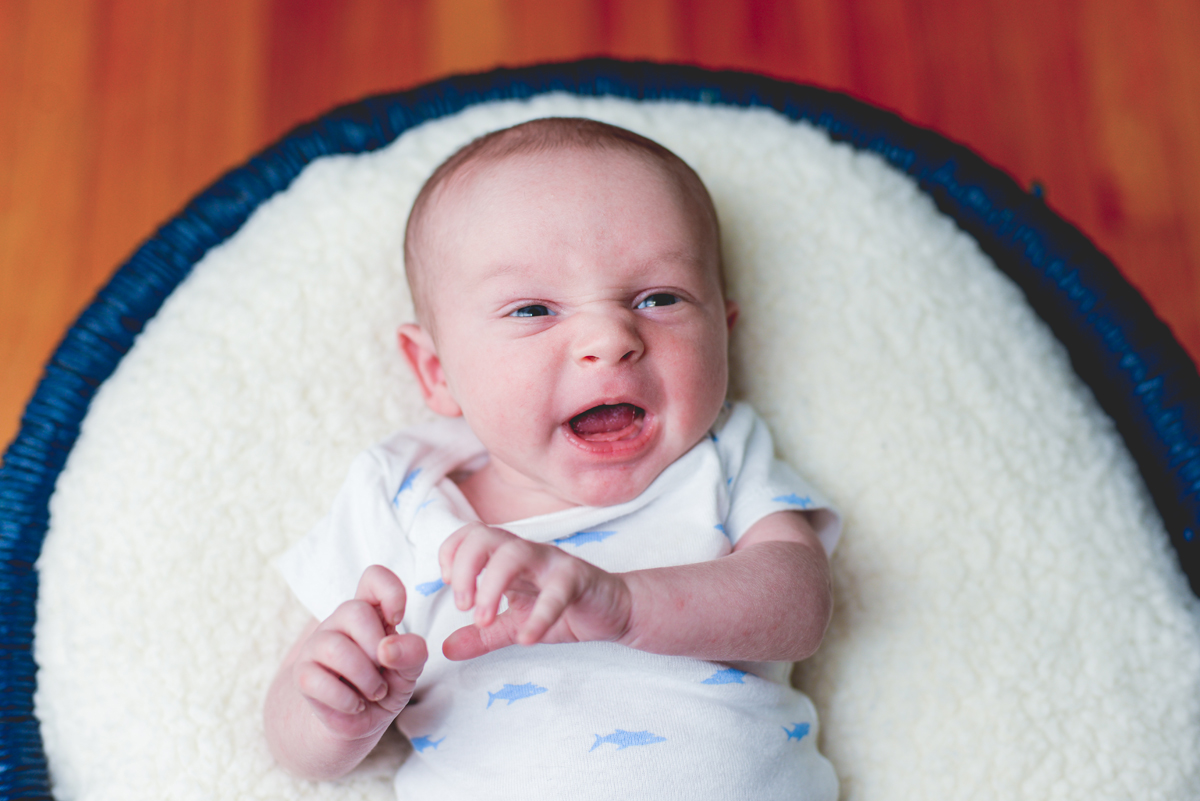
{"x": 114, "y": 112}
{"x": 45, "y": 154}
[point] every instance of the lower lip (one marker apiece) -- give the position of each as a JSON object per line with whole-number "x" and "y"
{"x": 639, "y": 436}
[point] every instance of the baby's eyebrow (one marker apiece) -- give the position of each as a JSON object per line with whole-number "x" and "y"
{"x": 691, "y": 257}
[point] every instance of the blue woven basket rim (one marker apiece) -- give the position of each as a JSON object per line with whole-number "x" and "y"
{"x": 1141, "y": 376}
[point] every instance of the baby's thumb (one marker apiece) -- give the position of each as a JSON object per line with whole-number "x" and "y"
{"x": 403, "y": 653}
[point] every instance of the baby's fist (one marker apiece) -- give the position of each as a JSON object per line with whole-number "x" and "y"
{"x": 553, "y": 597}
{"x": 355, "y": 670}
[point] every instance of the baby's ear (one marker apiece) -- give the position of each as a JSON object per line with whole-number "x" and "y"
{"x": 421, "y": 355}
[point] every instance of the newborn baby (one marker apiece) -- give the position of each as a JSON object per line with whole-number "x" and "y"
{"x": 616, "y": 569}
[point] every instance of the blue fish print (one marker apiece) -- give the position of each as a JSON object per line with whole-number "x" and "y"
{"x": 584, "y": 537}
{"x": 421, "y": 743}
{"x": 515, "y": 692}
{"x": 721, "y": 528}
{"x": 795, "y": 500}
{"x": 797, "y": 732}
{"x": 715, "y": 438}
{"x": 430, "y": 587}
{"x": 726, "y": 676}
{"x": 623, "y": 739}
{"x": 405, "y": 484}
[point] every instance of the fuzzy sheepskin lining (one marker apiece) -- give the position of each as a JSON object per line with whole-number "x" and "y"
{"x": 1010, "y": 621}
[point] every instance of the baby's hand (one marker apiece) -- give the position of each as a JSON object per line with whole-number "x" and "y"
{"x": 553, "y": 597}
{"x": 354, "y": 669}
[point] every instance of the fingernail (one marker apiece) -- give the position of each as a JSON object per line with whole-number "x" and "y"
{"x": 360, "y": 706}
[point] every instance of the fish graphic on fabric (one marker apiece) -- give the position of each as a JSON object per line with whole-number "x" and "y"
{"x": 795, "y": 500}
{"x": 515, "y": 692}
{"x": 726, "y": 676}
{"x": 405, "y": 484}
{"x": 584, "y": 537}
{"x": 421, "y": 743}
{"x": 797, "y": 732}
{"x": 721, "y": 528}
{"x": 623, "y": 739}
{"x": 430, "y": 587}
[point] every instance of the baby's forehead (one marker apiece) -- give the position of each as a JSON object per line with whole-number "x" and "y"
{"x": 484, "y": 172}
{"x": 489, "y": 175}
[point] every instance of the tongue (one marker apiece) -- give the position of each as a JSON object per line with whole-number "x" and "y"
{"x": 602, "y": 423}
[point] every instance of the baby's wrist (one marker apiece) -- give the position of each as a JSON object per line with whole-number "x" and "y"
{"x": 634, "y": 589}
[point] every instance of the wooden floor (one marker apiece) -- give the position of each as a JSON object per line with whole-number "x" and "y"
{"x": 114, "y": 112}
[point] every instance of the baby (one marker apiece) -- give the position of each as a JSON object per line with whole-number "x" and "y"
{"x": 617, "y": 571}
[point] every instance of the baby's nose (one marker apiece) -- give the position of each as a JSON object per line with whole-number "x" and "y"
{"x": 608, "y": 339}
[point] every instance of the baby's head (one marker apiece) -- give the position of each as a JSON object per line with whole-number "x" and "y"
{"x": 567, "y": 281}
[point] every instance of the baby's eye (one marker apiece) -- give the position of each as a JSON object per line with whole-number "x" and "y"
{"x": 658, "y": 299}
{"x": 536, "y": 310}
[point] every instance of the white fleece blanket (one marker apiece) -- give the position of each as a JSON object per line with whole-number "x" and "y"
{"x": 1010, "y": 622}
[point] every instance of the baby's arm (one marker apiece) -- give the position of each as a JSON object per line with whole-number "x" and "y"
{"x": 769, "y": 600}
{"x": 344, "y": 681}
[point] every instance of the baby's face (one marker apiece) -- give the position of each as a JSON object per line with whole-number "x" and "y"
{"x": 579, "y": 321}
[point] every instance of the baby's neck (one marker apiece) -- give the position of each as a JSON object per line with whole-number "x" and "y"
{"x": 497, "y": 501}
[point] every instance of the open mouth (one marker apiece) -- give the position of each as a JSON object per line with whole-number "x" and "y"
{"x": 609, "y": 423}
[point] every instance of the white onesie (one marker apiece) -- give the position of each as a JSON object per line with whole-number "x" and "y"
{"x": 588, "y": 720}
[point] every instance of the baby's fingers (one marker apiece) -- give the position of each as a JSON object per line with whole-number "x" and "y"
{"x": 470, "y": 557}
{"x": 382, "y": 589}
{"x": 326, "y": 691}
{"x": 552, "y": 601}
{"x": 508, "y": 563}
{"x": 449, "y": 548}
{"x": 340, "y": 657}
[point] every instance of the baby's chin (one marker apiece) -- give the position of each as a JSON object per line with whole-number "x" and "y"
{"x": 611, "y": 487}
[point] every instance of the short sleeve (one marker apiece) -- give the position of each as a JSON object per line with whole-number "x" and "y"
{"x": 323, "y": 569}
{"x": 761, "y": 484}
